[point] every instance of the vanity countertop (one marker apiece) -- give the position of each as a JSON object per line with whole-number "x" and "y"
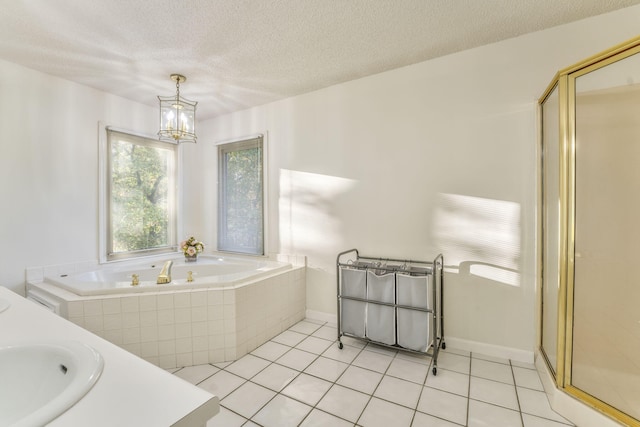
{"x": 130, "y": 391}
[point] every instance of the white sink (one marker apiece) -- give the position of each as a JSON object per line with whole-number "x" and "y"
{"x": 39, "y": 381}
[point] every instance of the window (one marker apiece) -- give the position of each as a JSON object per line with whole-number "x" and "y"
{"x": 240, "y": 197}
{"x": 140, "y": 196}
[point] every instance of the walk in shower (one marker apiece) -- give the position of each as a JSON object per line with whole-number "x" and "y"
{"x": 590, "y": 231}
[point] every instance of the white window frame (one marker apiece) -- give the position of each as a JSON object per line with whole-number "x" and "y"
{"x": 104, "y": 189}
{"x": 238, "y": 143}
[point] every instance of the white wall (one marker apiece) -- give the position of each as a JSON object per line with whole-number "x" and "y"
{"x": 439, "y": 156}
{"x": 435, "y": 157}
{"x": 49, "y": 168}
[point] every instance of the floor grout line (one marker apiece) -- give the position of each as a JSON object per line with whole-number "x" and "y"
{"x": 376, "y": 387}
{"x": 469, "y": 388}
{"x": 515, "y": 387}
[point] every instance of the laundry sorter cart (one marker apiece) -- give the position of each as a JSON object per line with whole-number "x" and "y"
{"x": 391, "y": 302}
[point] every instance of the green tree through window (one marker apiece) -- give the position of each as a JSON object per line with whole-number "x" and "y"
{"x": 142, "y": 195}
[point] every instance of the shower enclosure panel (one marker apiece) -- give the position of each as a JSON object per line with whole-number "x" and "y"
{"x": 589, "y": 178}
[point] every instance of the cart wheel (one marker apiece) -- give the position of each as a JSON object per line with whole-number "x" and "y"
{"x": 435, "y": 371}
{"x": 340, "y": 346}
{"x": 444, "y": 345}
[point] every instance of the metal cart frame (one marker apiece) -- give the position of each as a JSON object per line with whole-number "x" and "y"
{"x": 434, "y": 268}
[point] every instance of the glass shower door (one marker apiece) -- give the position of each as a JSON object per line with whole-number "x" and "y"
{"x": 605, "y": 346}
{"x": 550, "y": 227}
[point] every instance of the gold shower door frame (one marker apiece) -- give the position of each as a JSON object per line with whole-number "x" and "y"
{"x": 565, "y": 82}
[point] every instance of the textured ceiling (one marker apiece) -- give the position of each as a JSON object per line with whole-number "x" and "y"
{"x": 241, "y": 53}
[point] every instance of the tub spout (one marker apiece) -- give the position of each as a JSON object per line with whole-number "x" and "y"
{"x": 165, "y": 273}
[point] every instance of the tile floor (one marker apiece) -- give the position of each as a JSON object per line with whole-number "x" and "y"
{"x": 302, "y": 378}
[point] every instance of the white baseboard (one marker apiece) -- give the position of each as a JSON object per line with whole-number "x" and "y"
{"x": 490, "y": 349}
{"x": 452, "y": 342}
{"x": 320, "y": 316}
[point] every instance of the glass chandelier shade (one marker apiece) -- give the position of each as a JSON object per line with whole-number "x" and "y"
{"x": 177, "y": 116}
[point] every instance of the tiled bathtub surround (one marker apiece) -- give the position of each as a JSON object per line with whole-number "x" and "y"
{"x": 300, "y": 377}
{"x": 191, "y": 327}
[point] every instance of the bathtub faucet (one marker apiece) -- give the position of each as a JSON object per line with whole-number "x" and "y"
{"x": 165, "y": 273}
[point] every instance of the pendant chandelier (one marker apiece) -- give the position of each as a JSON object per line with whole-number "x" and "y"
{"x": 177, "y": 116}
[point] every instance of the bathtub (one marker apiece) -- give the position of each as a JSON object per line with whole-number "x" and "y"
{"x": 234, "y": 304}
{"x": 207, "y": 272}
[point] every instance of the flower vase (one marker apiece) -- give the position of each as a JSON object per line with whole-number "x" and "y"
{"x": 191, "y": 258}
